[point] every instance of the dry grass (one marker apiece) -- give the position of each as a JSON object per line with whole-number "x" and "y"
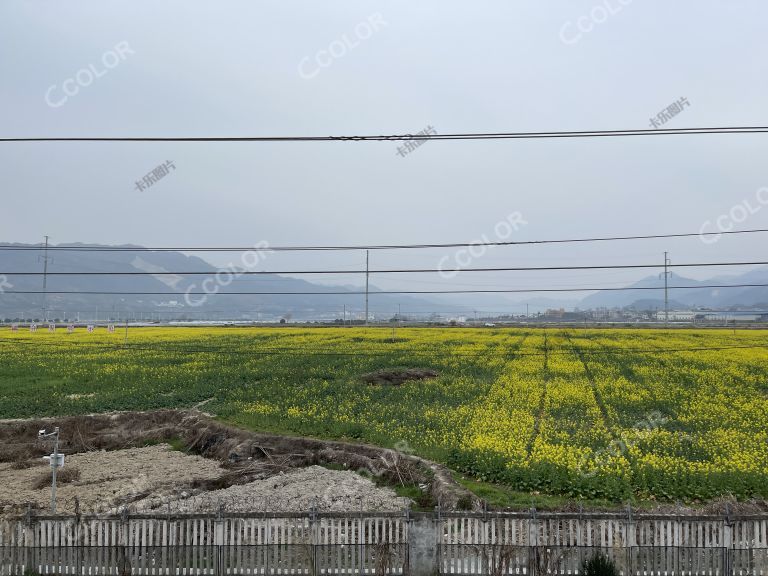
{"x": 24, "y": 464}
{"x": 63, "y": 476}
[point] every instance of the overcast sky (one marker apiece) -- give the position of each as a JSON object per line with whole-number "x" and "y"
{"x": 287, "y": 67}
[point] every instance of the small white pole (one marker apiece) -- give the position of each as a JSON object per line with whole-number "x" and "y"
{"x": 55, "y": 466}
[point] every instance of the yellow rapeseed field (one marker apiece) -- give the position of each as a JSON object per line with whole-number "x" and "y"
{"x": 677, "y": 414}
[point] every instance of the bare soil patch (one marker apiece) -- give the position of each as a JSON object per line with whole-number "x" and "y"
{"x": 105, "y": 479}
{"x": 397, "y": 376}
{"x": 127, "y": 460}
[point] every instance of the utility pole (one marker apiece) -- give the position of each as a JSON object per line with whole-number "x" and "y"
{"x": 666, "y": 291}
{"x": 45, "y": 281}
{"x": 344, "y": 318}
{"x": 366, "y": 286}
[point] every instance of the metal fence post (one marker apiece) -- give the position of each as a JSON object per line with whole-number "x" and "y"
{"x": 123, "y": 564}
{"x": 361, "y": 540}
{"x": 533, "y": 543}
{"x": 406, "y": 537}
{"x": 29, "y": 540}
{"x": 313, "y": 530}
{"x": 218, "y": 540}
{"x": 438, "y": 541}
{"x": 78, "y": 540}
{"x": 268, "y": 543}
{"x": 727, "y": 540}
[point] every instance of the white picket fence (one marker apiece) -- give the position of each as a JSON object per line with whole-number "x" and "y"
{"x": 558, "y": 543}
{"x": 325, "y": 544}
{"x": 200, "y": 545}
{"x": 606, "y": 531}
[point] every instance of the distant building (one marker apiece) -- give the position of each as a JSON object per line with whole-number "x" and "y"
{"x": 555, "y": 312}
{"x": 732, "y": 316}
{"x": 677, "y": 315}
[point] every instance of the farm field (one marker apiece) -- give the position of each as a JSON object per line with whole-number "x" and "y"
{"x": 595, "y": 414}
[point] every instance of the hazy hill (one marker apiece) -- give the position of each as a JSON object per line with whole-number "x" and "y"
{"x": 705, "y": 297}
{"x": 168, "y": 290}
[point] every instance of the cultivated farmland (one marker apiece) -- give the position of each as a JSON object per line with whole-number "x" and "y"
{"x": 589, "y": 414}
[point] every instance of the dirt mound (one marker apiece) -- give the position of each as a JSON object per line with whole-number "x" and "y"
{"x": 396, "y": 376}
{"x": 64, "y": 476}
{"x": 299, "y": 490}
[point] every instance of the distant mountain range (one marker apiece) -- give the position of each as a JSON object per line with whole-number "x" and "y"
{"x": 168, "y": 297}
{"x": 685, "y": 298}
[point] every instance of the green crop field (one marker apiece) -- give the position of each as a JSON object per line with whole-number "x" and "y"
{"x": 610, "y": 414}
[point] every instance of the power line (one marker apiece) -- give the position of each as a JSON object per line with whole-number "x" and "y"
{"x": 11, "y": 247}
{"x": 396, "y": 137}
{"x": 360, "y": 293}
{"x": 242, "y": 272}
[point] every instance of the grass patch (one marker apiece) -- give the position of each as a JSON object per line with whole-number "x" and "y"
{"x": 177, "y": 444}
{"x": 504, "y": 497}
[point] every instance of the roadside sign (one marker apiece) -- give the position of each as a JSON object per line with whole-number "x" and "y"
{"x": 51, "y": 327}
{"x": 90, "y": 328}
{"x": 70, "y": 328}
{"x": 33, "y": 327}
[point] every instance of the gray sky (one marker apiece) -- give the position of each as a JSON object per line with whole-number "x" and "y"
{"x": 192, "y": 68}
